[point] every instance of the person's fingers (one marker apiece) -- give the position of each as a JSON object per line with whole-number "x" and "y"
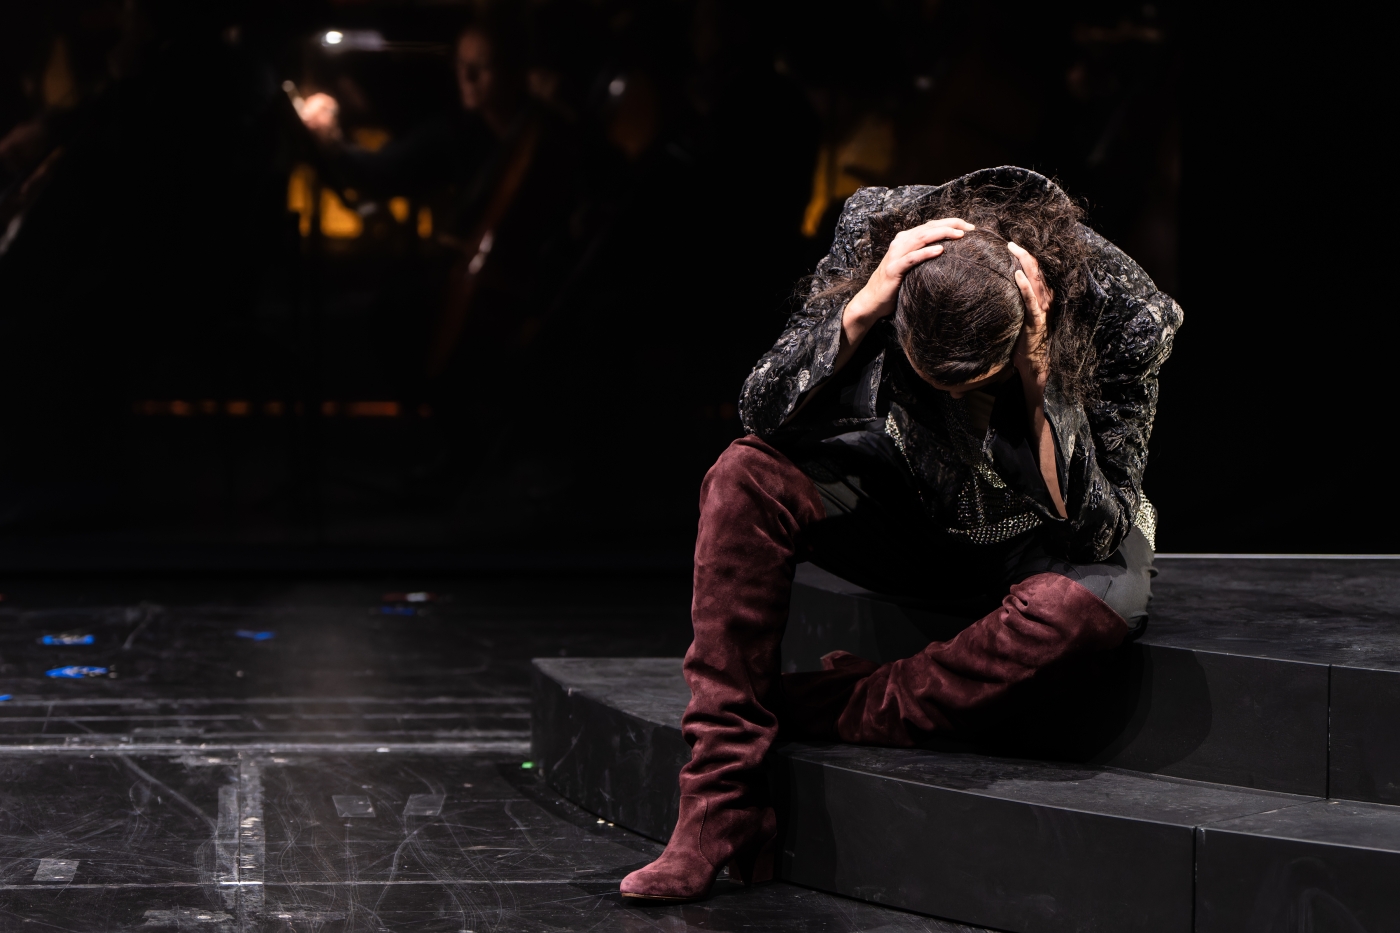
{"x": 922, "y": 236}
{"x": 1035, "y": 307}
{"x": 1027, "y": 262}
{"x": 901, "y": 264}
{"x": 947, "y": 223}
{"x": 937, "y": 229}
{"x": 922, "y": 255}
{"x": 1042, "y": 292}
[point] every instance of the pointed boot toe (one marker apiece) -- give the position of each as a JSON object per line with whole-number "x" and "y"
{"x": 678, "y": 877}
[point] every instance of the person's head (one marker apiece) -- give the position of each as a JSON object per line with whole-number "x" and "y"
{"x": 476, "y": 74}
{"x": 958, "y": 315}
{"x": 490, "y": 75}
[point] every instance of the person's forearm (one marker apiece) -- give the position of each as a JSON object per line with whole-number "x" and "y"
{"x": 876, "y": 299}
{"x": 860, "y": 315}
{"x": 1043, "y": 440}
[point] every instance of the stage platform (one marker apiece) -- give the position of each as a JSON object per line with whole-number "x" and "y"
{"x": 299, "y": 756}
{"x": 1240, "y": 773}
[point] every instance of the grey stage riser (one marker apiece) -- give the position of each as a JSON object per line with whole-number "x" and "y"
{"x": 1022, "y": 846}
{"x": 1327, "y": 867}
{"x": 1365, "y": 713}
{"x": 1219, "y": 690}
{"x": 613, "y": 756}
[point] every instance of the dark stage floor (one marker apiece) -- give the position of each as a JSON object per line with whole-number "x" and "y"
{"x": 311, "y": 757}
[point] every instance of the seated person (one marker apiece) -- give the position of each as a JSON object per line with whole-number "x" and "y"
{"x": 960, "y": 409}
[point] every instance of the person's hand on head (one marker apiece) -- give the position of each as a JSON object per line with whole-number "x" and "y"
{"x": 1032, "y": 354}
{"x": 321, "y": 114}
{"x": 876, "y": 298}
{"x": 907, "y": 250}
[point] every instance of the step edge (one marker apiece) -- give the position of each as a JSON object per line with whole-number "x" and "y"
{"x": 1100, "y": 769}
{"x": 1290, "y": 838}
{"x": 595, "y": 697}
{"x": 1297, "y": 800}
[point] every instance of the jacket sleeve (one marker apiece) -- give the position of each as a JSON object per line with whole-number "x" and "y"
{"x": 805, "y": 353}
{"x": 1104, "y": 446}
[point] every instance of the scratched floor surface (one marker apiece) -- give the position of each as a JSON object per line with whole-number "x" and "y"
{"x": 229, "y": 757}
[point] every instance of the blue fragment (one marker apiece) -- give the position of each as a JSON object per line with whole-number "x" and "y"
{"x": 68, "y": 640}
{"x": 4, "y": 697}
{"x": 77, "y": 672}
{"x": 255, "y": 636}
{"x": 398, "y": 611}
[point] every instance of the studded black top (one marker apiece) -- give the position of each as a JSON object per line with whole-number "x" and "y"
{"x": 1101, "y": 447}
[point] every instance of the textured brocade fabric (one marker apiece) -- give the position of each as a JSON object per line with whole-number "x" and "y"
{"x": 1102, "y": 449}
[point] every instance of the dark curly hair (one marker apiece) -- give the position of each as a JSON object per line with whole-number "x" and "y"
{"x": 958, "y": 315}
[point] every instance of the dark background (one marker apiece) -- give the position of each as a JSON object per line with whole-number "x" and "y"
{"x": 192, "y": 375}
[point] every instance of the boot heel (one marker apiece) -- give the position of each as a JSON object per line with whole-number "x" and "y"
{"x": 756, "y": 865}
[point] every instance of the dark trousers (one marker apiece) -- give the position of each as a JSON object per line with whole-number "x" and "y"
{"x": 877, "y": 534}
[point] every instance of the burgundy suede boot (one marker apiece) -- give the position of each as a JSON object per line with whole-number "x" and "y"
{"x": 1045, "y": 619}
{"x": 754, "y": 504}
{"x": 812, "y": 701}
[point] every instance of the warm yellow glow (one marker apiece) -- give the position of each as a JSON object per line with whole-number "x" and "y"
{"x": 372, "y": 409}
{"x": 372, "y": 138}
{"x": 238, "y": 408}
{"x": 337, "y": 221}
{"x": 182, "y": 409}
{"x": 821, "y": 194}
{"x": 299, "y": 195}
{"x": 399, "y": 208}
{"x": 59, "y": 88}
{"x": 868, "y": 152}
{"x": 425, "y": 222}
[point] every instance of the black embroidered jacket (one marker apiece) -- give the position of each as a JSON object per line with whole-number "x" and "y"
{"x": 981, "y": 484}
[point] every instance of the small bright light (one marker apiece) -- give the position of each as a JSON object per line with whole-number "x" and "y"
{"x": 616, "y": 86}
{"x": 353, "y": 40}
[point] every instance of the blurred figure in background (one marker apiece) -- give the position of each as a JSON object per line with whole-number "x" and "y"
{"x": 508, "y": 164}
{"x": 542, "y": 214}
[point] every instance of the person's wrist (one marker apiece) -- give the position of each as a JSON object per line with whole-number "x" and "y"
{"x": 867, "y": 307}
{"x": 1033, "y": 380}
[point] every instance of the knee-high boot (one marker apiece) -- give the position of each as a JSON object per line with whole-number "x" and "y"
{"x": 1045, "y": 619}
{"x": 754, "y": 505}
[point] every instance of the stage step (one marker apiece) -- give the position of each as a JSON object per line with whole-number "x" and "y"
{"x": 1237, "y": 771}
{"x": 1016, "y": 845}
{"x": 1279, "y": 674}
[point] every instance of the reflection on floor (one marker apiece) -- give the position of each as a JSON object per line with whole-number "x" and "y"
{"x": 324, "y": 757}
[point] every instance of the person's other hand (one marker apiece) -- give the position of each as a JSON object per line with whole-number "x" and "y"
{"x": 1032, "y": 353}
{"x": 907, "y": 250}
{"x": 321, "y": 114}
